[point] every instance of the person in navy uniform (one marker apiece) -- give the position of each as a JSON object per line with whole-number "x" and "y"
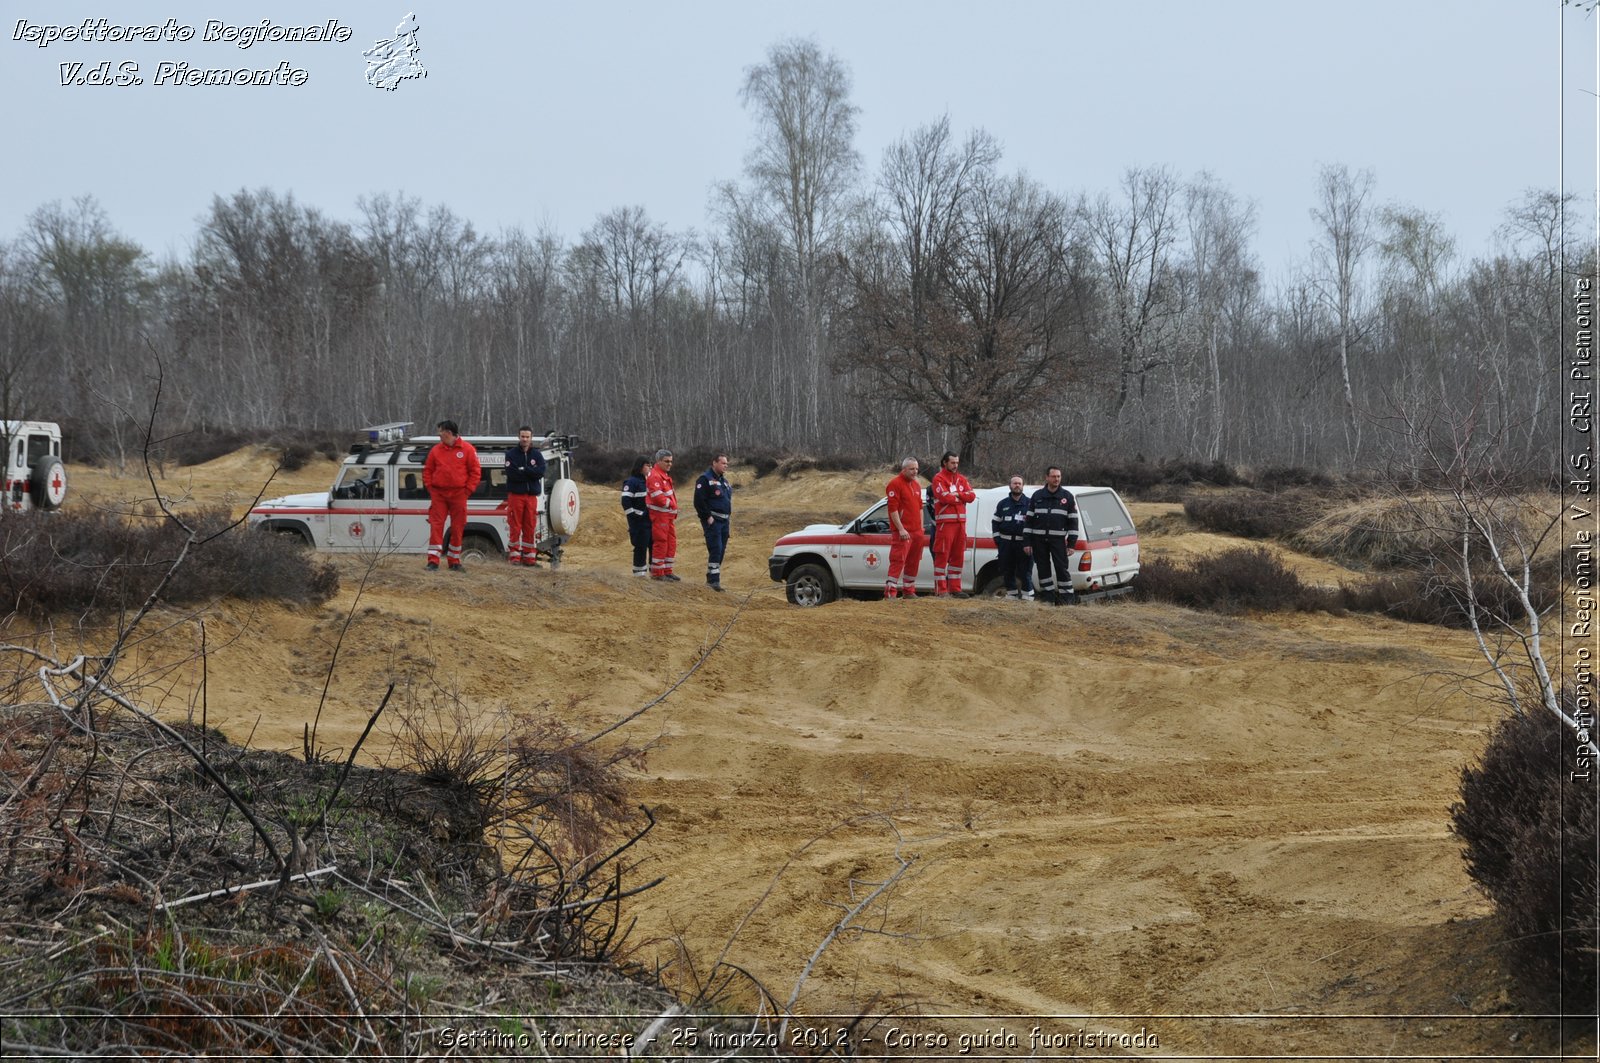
{"x": 713, "y": 504}
{"x": 633, "y": 492}
{"x": 1008, "y": 525}
{"x": 1052, "y": 529}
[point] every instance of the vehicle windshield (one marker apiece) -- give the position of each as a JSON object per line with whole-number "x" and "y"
{"x": 363, "y": 482}
{"x": 874, "y": 521}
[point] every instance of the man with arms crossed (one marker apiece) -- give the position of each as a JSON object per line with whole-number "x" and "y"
{"x": 525, "y": 466}
{"x": 951, "y": 493}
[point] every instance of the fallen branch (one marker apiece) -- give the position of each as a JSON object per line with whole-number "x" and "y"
{"x": 228, "y": 891}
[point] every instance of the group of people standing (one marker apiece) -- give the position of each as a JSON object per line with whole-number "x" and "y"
{"x": 650, "y": 502}
{"x": 1041, "y": 529}
{"x": 1030, "y": 532}
{"x": 450, "y": 475}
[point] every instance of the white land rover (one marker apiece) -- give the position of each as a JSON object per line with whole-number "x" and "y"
{"x": 819, "y": 562}
{"x": 378, "y": 503}
{"x": 36, "y": 478}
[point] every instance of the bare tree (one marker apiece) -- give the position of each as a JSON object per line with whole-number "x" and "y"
{"x": 632, "y": 269}
{"x": 803, "y": 167}
{"x": 1136, "y": 238}
{"x": 962, "y": 290}
{"x": 1493, "y": 542}
{"x": 1223, "y": 274}
{"x": 1346, "y": 237}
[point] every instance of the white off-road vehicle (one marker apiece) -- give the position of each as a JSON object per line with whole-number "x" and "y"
{"x": 818, "y": 563}
{"x": 378, "y": 503}
{"x": 36, "y": 477}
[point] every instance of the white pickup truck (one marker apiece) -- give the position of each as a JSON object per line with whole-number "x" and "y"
{"x": 818, "y": 563}
{"x": 378, "y": 503}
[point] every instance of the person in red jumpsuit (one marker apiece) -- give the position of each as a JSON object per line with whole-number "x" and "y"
{"x": 450, "y": 474}
{"x": 951, "y": 493}
{"x": 661, "y": 502}
{"x": 905, "y": 529}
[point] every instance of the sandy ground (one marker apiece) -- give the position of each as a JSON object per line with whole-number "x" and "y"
{"x": 1229, "y": 834}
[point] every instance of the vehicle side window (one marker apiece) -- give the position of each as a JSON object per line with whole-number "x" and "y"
{"x": 360, "y": 482}
{"x": 876, "y": 520}
{"x": 492, "y": 485}
{"x": 1100, "y": 515}
{"x": 411, "y": 488}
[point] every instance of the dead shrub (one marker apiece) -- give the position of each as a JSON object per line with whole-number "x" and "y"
{"x": 1253, "y": 514}
{"x": 1231, "y": 582}
{"x": 1280, "y": 477}
{"x": 1438, "y": 594}
{"x": 1528, "y": 832}
{"x": 515, "y": 768}
{"x": 85, "y": 560}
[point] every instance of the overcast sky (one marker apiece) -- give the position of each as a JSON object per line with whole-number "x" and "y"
{"x": 538, "y": 113}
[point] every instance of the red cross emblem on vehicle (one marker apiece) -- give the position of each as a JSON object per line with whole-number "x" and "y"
{"x": 572, "y": 502}
{"x": 357, "y": 529}
{"x": 872, "y": 558}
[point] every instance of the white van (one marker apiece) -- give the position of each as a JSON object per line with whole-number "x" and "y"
{"x": 818, "y": 563}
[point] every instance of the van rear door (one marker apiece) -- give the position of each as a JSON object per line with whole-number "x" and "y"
{"x": 1108, "y": 538}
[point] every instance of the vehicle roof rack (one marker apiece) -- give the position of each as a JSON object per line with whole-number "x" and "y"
{"x": 388, "y": 433}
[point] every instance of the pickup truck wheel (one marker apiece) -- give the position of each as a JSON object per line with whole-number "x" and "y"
{"x": 810, "y": 585}
{"x": 477, "y": 550}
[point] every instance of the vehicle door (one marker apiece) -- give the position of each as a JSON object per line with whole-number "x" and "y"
{"x": 358, "y": 508}
{"x": 863, "y": 549}
{"x": 980, "y": 536}
{"x": 408, "y": 521}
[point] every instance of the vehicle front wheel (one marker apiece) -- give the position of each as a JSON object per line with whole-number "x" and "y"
{"x": 810, "y": 585}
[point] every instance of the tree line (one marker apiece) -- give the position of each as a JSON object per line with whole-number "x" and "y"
{"x": 940, "y": 300}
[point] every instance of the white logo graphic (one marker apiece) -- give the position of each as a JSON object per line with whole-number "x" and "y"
{"x": 393, "y": 61}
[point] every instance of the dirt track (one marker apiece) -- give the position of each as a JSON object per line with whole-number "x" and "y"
{"x": 1131, "y": 812}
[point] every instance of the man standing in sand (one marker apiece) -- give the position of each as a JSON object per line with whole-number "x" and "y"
{"x": 525, "y": 467}
{"x": 1052, "y": 528}
{"x": 713, "y": 504}
{"x": 951, "y": 493}
{"x": 661, "y": 500}
{"x": 905, "y": 530}
{"x": 634, "y": 493}
{"x": 449, "y": 475}
{"x": 1010, "y": 518}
